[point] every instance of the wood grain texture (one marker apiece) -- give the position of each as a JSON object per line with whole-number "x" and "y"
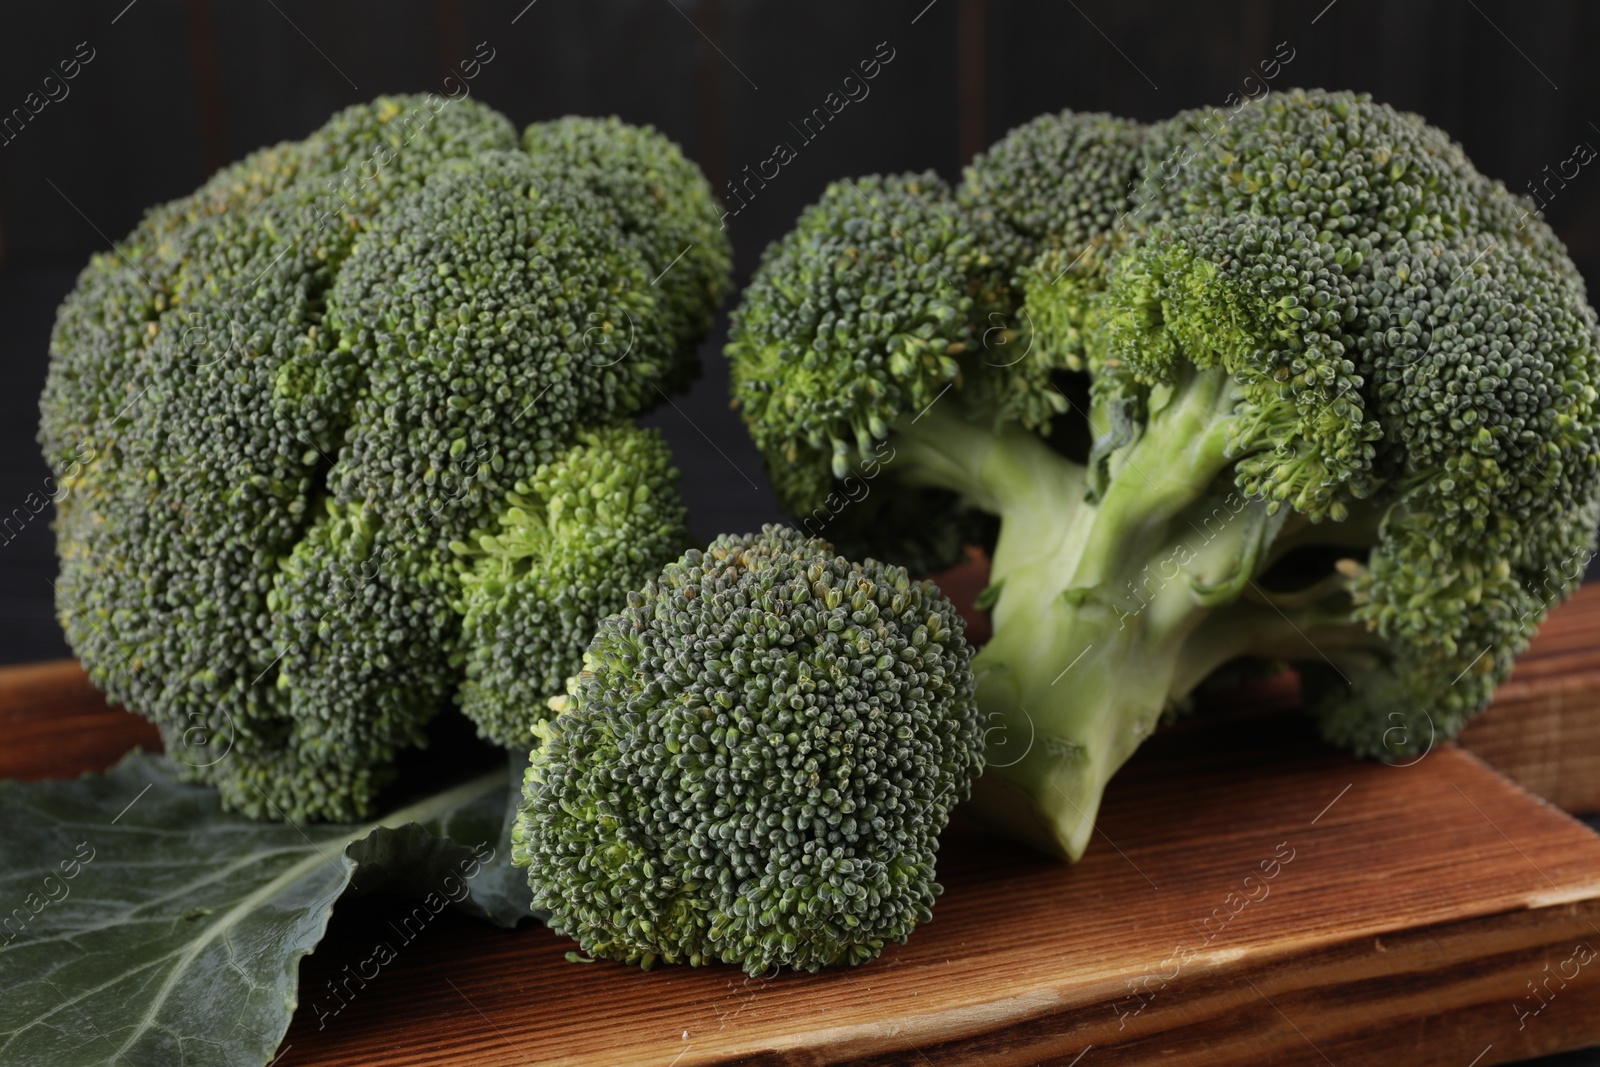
{"x": 1404, "y": 926}
{"x": 1410, "y": 913}
{"x": 1542, "y": 729}
{"x": 54, "y": 724}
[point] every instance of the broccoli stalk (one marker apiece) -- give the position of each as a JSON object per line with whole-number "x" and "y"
{"x": 1105, "y": 614}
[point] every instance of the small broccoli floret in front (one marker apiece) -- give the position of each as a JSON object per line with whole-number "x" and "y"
{"x": 756, "y": 762}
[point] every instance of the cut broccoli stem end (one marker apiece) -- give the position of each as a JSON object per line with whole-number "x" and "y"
{"x": 1065, "y": 701}
{"x": 1077, "y": 677}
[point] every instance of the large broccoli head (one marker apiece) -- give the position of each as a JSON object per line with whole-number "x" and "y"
{"x": 1294, "y": 381}
{"x": 756, "y": 763}
{"x": 1435, "y": 361}
{"x": 328, "y": 396}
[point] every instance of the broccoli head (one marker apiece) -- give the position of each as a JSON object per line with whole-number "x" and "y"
{"x": 353, "y": 390}
{"x": 756, "y": 762}
{"x": 1294, "y": 383}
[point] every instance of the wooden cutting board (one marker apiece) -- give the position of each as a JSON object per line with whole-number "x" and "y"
{"x": 1252, "y": 897}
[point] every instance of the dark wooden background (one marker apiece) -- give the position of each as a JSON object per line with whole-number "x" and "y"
{"x": 179, "y": 87}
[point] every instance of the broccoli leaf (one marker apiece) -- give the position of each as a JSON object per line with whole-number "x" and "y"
{"x": 141, "y": 924}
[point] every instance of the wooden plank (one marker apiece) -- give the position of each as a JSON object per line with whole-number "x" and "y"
{"x": 1407, "y": 912}
{"x": 54, "y": 724}
{"x": 1410, "y": 909}
{"x": 1543, "y": 731}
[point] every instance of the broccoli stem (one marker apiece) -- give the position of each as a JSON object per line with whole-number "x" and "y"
{"x": 1098, "y": 606}
{"x": 1010, "y": 472}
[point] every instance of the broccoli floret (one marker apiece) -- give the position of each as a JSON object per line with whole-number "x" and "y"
{"x": 665, "y": 207}
{"x": 1056, "y": 182}
{"x": 756, "y": 762}
{"x": 1336, "y": 407}
{"x": 301, "y": 386}
{"x": 579, "y": 535}
{"x": 878, "y": 301}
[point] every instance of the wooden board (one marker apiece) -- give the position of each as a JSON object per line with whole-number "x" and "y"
{"x": 1542, "y": 729}
{"x": 54, "y": 724}
{"x": 1409, "y": 914}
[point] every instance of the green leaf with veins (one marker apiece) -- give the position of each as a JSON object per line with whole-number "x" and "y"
{"x": 140, "y": 924}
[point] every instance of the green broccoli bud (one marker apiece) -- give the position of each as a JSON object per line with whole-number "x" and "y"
{"x": 1055, "y": 183}
{"x": 756, "y": 763}
{"x": 666, "y": 210}
{"x": 578, "y": 535}
{"x": 881, "y": 302}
